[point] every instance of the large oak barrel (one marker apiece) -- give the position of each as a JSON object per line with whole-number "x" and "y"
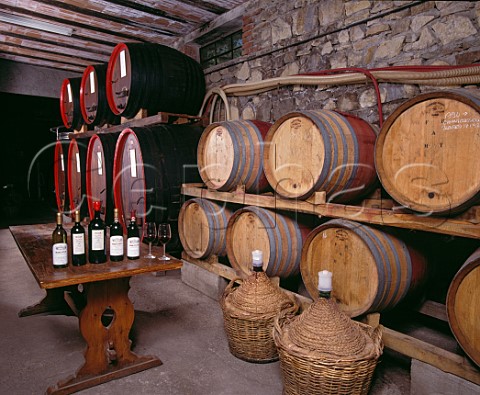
{"x": 202, "y": 227}
{"x": 151, "y": 164}
{"x": 93, "y": 97}
{"x": 153, "y": 77}
{"x": 321, "y": 150}
{"x": 372, "y": 270}
{"x": 463, "y": 306}
{"x": 76, "y": 174}
{"x": 279, "y": 236}
{"x": 231, "y": 154}
{"x": 70, "y": 103}
{"x": 99, "y": 173}
{"x": 426, "y": 153}
{"x": 60, "y": 155}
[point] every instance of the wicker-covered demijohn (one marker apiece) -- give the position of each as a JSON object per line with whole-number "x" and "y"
{"x": 323, "y": 351}
{"x": 249, "y": 311}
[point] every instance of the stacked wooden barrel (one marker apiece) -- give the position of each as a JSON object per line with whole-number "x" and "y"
{"x": 153, "y": 77}
{"x": 202, "y": 228}
{"x": 70, "y": 110}
{"x": 320, "y": 150}
{"x": 150, "y": 77}
{"x": 93, "y": 97}
{"x": 76, "y": 175}
{"x": 463, "y": 308}
{"x": 372, "y": 269}
{"x": 99, "y": 173}
{"x": 60, "y": 174}
{"x": 230, "y": 154}
{"x": 150, "y": 166}
{"x": 426, "y": 152}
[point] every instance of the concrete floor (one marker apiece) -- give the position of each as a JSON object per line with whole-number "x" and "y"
{"x": 173, "y": 321}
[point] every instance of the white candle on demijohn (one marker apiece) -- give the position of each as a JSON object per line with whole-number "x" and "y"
{"x": 325, "y": 281}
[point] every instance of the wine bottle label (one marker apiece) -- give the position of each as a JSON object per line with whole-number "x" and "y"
{"x": 116, "y": 245}
{"x": 133, "y": 246}
{"x": 98, "y": 240}
{"x": 78, "y": 244}
{"x": 60, "y": 254}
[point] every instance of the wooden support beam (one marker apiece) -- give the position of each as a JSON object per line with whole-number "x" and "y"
{"x": 428, "y": 353}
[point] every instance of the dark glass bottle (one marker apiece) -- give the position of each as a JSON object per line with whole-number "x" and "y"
{"x": 257, "y": 261}
{"x": 59, "y": 245}
{"x": 116, "y": 239}
{"x": 133, "y": 238}
{"x": 79, "y": 253}
{"x": 97, "y": 252}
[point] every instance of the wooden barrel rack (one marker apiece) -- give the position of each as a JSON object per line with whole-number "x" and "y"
{"x": 372, "y": 210}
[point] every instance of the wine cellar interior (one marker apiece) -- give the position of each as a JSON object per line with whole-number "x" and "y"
{"x": 315, "y": 162}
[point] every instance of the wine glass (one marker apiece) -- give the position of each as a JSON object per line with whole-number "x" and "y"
{"x": 164, "y": 236}
{"x": 149, "y": 235}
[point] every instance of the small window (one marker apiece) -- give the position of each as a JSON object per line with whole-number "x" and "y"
{"x": 222, "y": 50}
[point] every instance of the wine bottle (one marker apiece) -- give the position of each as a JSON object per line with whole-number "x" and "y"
{"x": 59, "y": 245}
{"x": 257, "y": 261}
{"x": 116, "y": 239}
{"x": 96, "y": 237}
{"x": 79, "y": 255}
{"x": 133, "y": 238}
{"x": 324, "y": 284}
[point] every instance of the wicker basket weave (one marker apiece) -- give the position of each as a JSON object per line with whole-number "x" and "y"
{"x": 249, "y": 311}
{"x": 323, "y": 351}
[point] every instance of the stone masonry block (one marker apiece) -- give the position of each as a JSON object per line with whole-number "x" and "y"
{"x": 202, "y": 280}
{"x": 427, "y": 379}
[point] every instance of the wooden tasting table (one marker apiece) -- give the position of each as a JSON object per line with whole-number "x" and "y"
{"x": 105, "y": 291}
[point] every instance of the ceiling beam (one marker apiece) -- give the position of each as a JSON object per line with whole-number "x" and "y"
{"x": 94, "y": 10}
{"x": 38, "y": 54}
{"x": 232, "y": 17}
{"x": 41, "y": 62}
{"x": 47, "y": 48}
{"x": 20, "y": 32}
{"x": 84, "y": 26}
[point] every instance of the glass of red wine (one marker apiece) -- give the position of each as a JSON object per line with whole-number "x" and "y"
{"x": 149, "y": 235}
{"x": 164, "y": 236}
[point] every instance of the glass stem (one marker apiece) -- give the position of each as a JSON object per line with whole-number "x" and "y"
{"x": 150, "y": 248}
{"x": 164, "y": 251}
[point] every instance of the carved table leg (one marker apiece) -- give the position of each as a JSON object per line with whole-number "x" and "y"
{"x": 108, "y": 355}
{"x": 53, "y": 303}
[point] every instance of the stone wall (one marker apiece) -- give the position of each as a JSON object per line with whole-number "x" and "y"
{"x": 303, "y": 36}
